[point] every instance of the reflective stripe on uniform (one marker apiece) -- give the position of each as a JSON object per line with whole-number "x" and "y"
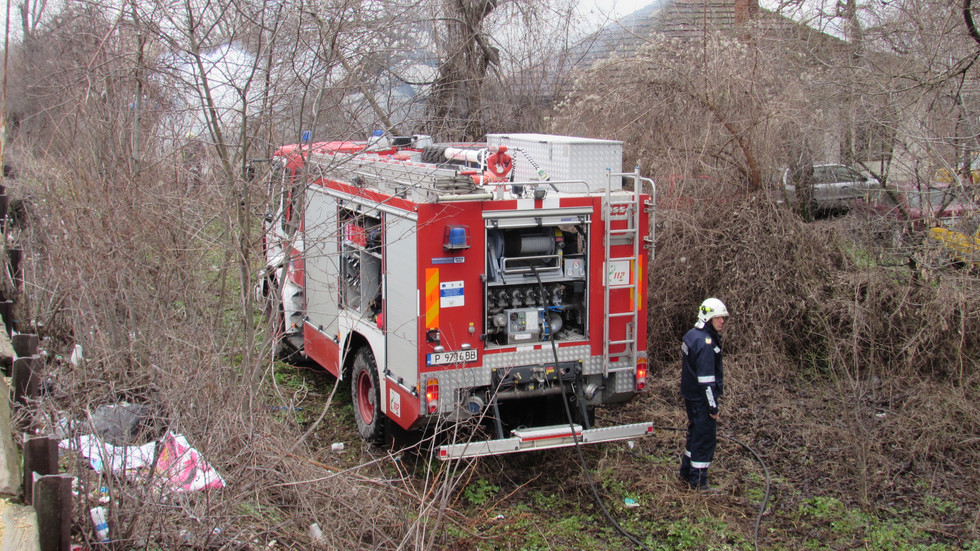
{"x": 711, "y": 397}
{"x": 684, "y": 348}
{"x": 706, "y": 380}
{"x": 717, "y": 350}
{"x": 687, "y": 453}
{"x": 700, "y": 464}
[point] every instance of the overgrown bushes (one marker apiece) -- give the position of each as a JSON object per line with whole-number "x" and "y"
{"x": 854, "y": 374}
{"x": 141, "y": 272}
{"x": 801, "y": 298}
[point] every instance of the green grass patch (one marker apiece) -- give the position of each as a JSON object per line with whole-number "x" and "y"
{"x": 840, "y": 525}
{"x": 480, "y": 492}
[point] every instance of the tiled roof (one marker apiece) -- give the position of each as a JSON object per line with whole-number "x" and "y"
{"x": 672, "y": 18}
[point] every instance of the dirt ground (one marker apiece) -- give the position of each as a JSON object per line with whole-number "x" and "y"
{"x": 842, "y": 471}
{"x": 859, "y": 450}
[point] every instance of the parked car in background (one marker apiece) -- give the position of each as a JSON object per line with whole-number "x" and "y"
{"x": 921, "y": 207}
{"x": 835, "y": 187}
{"x": 902, "y": 211}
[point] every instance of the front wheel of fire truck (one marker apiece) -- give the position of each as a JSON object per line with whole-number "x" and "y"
{"x": 286, "y": 347}
{"x": 365, "y": 396}
{"x": 272, "y": 311}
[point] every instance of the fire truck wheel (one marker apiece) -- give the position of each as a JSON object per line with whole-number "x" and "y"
{"x": 276, "y": 318}
{"x": 365, "y": 396}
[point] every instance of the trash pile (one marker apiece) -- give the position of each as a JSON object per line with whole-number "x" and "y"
{"x": 170, "y": 461}
{"x": 109, "y": 439}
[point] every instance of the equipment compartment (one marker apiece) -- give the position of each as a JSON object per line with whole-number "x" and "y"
{"x": 536, "y": 284}
{"x": 360, "y": 266}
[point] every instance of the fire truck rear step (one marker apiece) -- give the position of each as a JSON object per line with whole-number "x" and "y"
{"x": 618, "y": 369}
{"x": 543, "y": 438}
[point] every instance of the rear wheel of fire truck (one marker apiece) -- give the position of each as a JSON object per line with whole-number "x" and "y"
{"x": 365, "y": 396}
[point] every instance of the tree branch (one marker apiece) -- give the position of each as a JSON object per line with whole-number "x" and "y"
{"x": 971, "y": 27}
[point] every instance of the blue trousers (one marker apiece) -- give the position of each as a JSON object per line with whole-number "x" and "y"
{"x": 699, "y": 450}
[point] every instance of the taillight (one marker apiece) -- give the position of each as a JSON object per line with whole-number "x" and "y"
{"x": 432, "y": 395}
{"x": 641, "y": 373}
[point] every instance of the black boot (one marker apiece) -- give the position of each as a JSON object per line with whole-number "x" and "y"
{"x": 685, "y": 467}
{"x": 698, "y": 479}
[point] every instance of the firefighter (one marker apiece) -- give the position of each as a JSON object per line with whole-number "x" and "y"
{"x": 702, "y": 384}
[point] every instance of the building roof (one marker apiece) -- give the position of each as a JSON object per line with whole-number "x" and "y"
{"x": 670, "y": 18}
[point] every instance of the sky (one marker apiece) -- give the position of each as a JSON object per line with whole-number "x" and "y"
{"x": 611, "y": 8}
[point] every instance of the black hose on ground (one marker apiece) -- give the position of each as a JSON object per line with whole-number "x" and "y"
{"x": 765, "y": 500}
{"x": 765, "y": 468}
{"x": 585, "y": 468}
{"x": 578, "y": 445}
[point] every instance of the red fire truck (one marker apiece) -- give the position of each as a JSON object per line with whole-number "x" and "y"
{"x": 499, "y": 282}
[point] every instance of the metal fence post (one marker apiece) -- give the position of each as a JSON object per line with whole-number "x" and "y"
{"x": 52, "y": 502}
{"x": 41, "y": 457}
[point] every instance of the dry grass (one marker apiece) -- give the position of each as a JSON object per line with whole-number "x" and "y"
{"x": 854, "y": 377}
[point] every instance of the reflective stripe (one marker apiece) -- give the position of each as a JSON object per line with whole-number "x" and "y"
{"x": 684, "y": 348}
{"x": 700, "y": 464}
{"x": 687, "y": 453}
{"x": 711, "y": 397}
{"x": 432, "y": 298}
{"x": 717, "y": 350}
{"x": 706, "y": 380}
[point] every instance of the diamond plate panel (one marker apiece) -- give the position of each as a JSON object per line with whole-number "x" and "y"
{"x": 544, "y": 355}
{"x": 623, "y": 381}
{"x": 459, "y": 378}
{"x": 451, "y": 380}
{"x": 564, "y": 158}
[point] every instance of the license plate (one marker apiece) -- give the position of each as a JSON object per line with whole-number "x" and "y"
{"x": 451, "y": 357}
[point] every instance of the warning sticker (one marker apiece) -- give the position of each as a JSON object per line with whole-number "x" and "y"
{"x": 394, "y": 403}
{"x": 450, "y": 294}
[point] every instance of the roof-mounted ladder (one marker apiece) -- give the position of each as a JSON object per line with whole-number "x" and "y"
{"x": 396, "y": 177}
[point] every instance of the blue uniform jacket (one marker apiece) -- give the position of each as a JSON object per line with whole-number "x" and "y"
{"x": 702, "y": 377}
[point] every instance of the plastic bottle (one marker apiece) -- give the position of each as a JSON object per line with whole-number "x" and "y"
{"x": 101, "y": 526}
{"x": 316, "y": 535}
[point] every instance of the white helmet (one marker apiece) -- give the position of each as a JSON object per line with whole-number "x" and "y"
{"x": 711, "y": 308}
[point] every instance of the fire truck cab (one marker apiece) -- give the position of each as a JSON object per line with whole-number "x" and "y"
{"x": 499, "y": 282}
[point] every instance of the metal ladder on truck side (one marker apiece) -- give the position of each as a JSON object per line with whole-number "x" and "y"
{"x": 628, "y": 209}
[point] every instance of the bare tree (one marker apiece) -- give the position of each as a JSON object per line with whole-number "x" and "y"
{"x": 500, "y": 63}
{"x": 680, "y": 117}
{"x": 455, "y": 101}
{"x": 135, "y": 139}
